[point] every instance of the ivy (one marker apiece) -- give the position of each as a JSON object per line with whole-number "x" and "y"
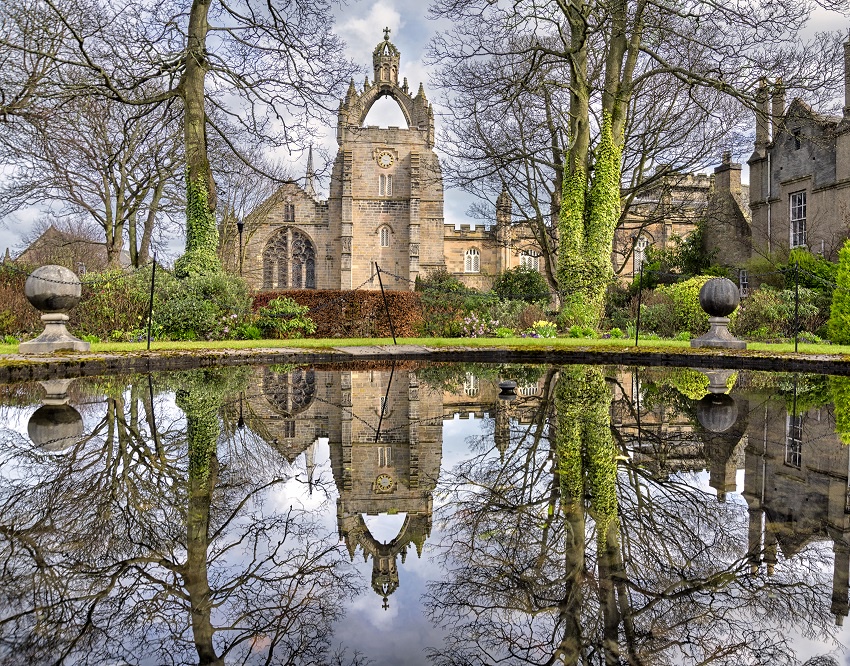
{"x": 586, "y": 231}
{"x": 838, "y": 328}
{"x": 586, "y": 454}
{"x": 201, "y": 256}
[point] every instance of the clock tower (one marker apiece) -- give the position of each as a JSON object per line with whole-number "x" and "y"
{"x": 386, "y": 194}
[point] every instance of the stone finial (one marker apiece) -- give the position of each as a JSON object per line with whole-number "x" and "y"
{"x": 310, "y": 185}
{"x": 719, "y": 297}
{"x": 55, "y": 426}
{"x": 54, "y": 290}
{"x": 7, "y": 258}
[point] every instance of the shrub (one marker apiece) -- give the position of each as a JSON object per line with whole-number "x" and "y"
{"x": 444, "y": 303}
{"x": 543, "y": 329}
{"x": 528, "y": 316}
{"x": 616, "y": 333}
{"x": 685, "y": 297}
{"x": 838, "y": 328}
{"x": 522, "y": 284}
{"x": 768, "y": 314}
{"x": 474, "y": 327}
{"x": 201, "y": 307}
{"x": 284, "y": 318}
{"x": 581, "y": 332}
{"x": 504, "y": 332}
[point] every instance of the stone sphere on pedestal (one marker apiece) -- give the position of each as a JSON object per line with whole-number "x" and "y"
{"x": 719, "y": 297}
{"x": 53, "y": 289}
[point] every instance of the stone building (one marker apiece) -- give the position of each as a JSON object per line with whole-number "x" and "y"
{"x": 800, "y": 174}
{"x": 385, "y": 204}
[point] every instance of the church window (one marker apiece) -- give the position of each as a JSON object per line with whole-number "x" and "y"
{"x": 472, "y": 261}
{"x": 744, "y": 282}
{"x": 470, "y": 385}
{"x": 797, "y": 202}
{"x": 385, "y": 456}
{"x": 530, "y": 260}
{"x": 385, "y": 185}
{"x": 289, "y": 393}
{"x": 385, "y": 236}
{"x": 289, "y": 261}
{"x": 289, "y": 212}
{"x": 794, "y": 440}
{"x": 640, "y": 253}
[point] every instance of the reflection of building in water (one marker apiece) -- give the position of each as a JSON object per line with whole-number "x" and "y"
{"x": 385, "y": 447}
{"x": 666, "y": 432}
{"x": 796, "y": 489}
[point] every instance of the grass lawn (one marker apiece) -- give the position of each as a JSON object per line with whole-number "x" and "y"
{"x": 503, "y": 343}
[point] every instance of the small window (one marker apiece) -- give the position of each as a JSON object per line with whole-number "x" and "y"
{"x": 794, "y": 441}
{"x": 639, "y": 253}
{"x": 385, "y": 185}
{"x": 289, "y": 212}
{"x": 743, "y": 283}
{"x": 385, "y": 236}
{"x": 472, "y": 261}
{"x": 385, "y": 456}
{"x": 470, "y": 385}
{"x": 383, "y": 406}
{"x": 530, "y": 260}
{"x": 797, "y": 204}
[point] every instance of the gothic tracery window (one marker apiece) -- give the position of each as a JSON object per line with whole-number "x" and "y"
{"x": 472, "y": 261}
{"x": 289, "y": 261}
{"x": 289, "y": 393}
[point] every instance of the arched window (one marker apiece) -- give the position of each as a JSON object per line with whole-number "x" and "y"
{"x": 472, "y": 261}
{"x": 529, "y": 259}
{"x": 384, "y": 233}
{"x": 470, "y": 385}
{"x": 289, "y": 261}
{"x": 385, "y": 185}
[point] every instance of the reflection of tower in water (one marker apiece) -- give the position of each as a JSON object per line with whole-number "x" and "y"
{"x": 385, "y": 453}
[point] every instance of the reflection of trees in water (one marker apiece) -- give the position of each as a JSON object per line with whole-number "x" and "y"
{"x": 531, "y": 579}
{"x": 127, "y": 548}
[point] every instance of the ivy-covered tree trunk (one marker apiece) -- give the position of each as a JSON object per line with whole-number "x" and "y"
{"x": 200, "y": 257}
{"x": 589, "y": 216}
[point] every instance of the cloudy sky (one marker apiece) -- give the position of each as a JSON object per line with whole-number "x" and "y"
{"x": 361, "y": 23}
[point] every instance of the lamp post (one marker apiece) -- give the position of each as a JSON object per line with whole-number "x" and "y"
{"x": 240, "y": 226}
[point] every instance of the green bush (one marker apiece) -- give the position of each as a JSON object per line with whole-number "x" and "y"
{"x": 838, "y": 328}
{"x": 444, "y": 303}
{"x": 522, "y": 284}
{"x": 768, "y": 314}
{"x": 284, "y": 318}
{"x": 201, "y": 307}
{"x": 685, "y": 297}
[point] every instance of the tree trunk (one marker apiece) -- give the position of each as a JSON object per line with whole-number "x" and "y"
{"x": 200, "y": 257}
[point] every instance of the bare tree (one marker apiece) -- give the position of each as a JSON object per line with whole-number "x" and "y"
{"x": 100, "y": 159}
{"x": 269, "y": 69}
{"x": 611, "y": 85}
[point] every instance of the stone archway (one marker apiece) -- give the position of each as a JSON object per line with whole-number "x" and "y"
{"x": 289, "y": 261}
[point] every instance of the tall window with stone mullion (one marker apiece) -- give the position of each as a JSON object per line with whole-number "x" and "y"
{"x": 797, "y": 204}
{"x": 472, "y": 261}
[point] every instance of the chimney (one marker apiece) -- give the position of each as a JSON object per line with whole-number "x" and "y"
{"x": 762, "y": 113}
{"x": 847, "y": 79}
{"x": 778, "y": 110}
{"x": 727, "y": 177}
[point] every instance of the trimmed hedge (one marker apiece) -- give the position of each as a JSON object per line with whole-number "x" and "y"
{"x": 353, "y": 314}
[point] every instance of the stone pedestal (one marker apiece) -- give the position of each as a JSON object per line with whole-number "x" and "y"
{"x": 55, "y": 337}
{"x": 55, "y": 427}
{"x": 53, "y": 290}
{"x": 718, "y": 336}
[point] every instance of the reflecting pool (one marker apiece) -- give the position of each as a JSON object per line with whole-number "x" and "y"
{"x": 414, "y": 514}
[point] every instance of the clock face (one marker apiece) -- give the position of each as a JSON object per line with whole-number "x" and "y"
{"x": 384, "y": 483}
{"x": 385, "y": 159}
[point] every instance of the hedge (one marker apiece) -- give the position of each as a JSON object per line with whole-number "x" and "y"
{"x": 353, "y": 314}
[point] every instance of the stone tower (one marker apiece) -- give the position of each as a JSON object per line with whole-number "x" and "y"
{"x": 386, "y": 189}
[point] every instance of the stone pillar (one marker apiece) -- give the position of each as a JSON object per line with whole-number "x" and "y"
{"x": 847, "y": 79}
{"x": 346, "y": 229}
{"x": 777, "y": 108}
{"x": 413, "y": 432}
{"x": 346, "y": 417}
{"x": 840, "y": 581}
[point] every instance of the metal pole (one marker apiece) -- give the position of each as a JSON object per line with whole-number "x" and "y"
{"x": 796, "y": 303}
{"x": 640, "y": 291}
{"x": 240, "y": 225}
{"x": 150, "y": 306}
{"x": 386, "y": 305}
